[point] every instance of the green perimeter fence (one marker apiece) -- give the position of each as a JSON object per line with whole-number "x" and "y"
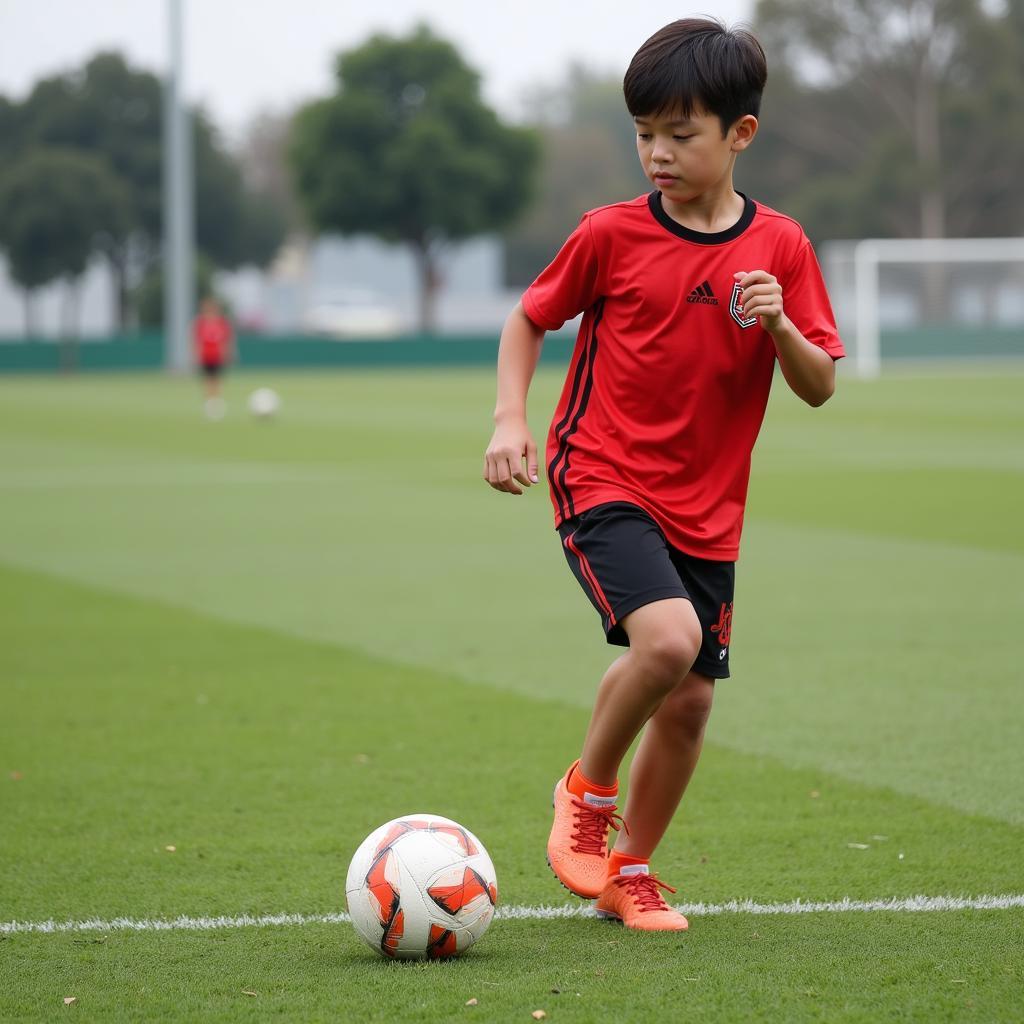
{"x": 145, "y": 351}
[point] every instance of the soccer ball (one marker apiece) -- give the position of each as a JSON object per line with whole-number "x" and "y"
{"x": 264, "y": 403}
{"x": 421, "y": 887}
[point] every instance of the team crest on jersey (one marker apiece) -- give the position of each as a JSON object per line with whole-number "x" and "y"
{"x": 736, "y": 311}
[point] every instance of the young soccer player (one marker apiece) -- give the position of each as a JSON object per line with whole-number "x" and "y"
{"x": 213, "y": 343}
{"x": 689, "y": 296}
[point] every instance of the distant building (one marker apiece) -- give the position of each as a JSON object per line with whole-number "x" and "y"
{"x": 331, "y": 270}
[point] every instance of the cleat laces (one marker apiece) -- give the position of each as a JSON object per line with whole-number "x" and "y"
{"x": 592, "y": 824}
{"x": 643, "y": 889}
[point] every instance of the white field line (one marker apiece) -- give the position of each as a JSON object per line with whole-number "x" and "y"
{"x": 905, "y": 905}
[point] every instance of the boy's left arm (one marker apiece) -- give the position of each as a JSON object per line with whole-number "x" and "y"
{"x": 809, "y": 370}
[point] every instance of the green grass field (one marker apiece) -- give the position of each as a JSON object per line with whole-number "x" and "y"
{"x": 254, "y": 642}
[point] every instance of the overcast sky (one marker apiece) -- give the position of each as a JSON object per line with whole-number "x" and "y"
{"x": 244, "y": 56}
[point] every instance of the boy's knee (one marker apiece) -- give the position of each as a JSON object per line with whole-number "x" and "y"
{"x": 665, "y": 639}
{"x": 669, "y": 654}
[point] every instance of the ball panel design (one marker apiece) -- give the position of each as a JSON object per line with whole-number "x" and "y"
{"x": 461, "y": 890}
{"x": 384, "y": 895}
{"x": 442, "y": 943}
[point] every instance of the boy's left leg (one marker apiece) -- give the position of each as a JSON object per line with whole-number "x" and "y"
{"x": 664, "y": 763}
{"x": 661, "y": 770}
{"x": 674, "y": 735}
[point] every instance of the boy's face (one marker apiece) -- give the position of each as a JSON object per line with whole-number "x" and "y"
{"x": 683, "y": 157}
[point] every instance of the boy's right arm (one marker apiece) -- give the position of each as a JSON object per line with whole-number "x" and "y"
{"x": 518, "y": 352}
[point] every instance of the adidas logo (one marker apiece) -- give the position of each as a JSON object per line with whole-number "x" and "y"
{"x": 703, "y": 294}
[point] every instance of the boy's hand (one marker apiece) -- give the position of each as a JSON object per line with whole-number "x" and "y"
{"x": 503, "y": 461}
{"x": 761, "y": 297}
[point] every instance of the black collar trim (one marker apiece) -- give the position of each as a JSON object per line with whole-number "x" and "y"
{"x": 702, "y": 237}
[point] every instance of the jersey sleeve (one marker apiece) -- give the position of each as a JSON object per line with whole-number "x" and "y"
{"x": 568, "y": 285}
{"x": 806, "y": 302}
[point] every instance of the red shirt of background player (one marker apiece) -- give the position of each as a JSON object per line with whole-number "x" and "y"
{"x": 213, "y": 335}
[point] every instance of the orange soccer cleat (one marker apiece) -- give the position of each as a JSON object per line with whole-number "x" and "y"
{"x": 636, "y": 901}
{"x": 578, "y": 844}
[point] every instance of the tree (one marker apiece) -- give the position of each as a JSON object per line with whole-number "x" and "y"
{"x": 111, "y": 109}
{"x": 263, "y": 158}
{"x": 149, "y": 296}
{"x": 893, "y": 117}
{"x": 115, "y": 111}
{"x": 588, "y": 159}
{"x": 57, "y": 205}
{"x": 235, "y": 225}
{"x": 406, "y": 150}
{"x": 10, "y": 129}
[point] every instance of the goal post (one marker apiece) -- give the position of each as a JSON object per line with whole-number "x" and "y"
{"x": 926, "y": 297}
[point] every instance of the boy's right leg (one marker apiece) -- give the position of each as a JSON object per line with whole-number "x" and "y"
{"x": 664, "y": 638}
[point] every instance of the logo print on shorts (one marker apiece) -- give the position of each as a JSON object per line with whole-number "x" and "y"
{"x": 723, "y": 627}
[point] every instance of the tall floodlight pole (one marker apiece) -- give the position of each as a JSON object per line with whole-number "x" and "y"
{"x": 179, "y": 206}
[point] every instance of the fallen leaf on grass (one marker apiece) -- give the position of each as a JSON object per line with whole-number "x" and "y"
{"x": 471, "y": 1002}
{"x": 68, "y": 1000}
{"x": 170, "y": 849}
{"x": 249, "y": 992}
{"x": 815, "y": 794}
{"x": 538, "y": 1015}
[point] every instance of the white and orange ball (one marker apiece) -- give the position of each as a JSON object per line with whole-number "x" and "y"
{"x": 421, "y": 887}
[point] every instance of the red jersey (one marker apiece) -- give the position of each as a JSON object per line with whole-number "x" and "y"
{"x": 668, "y": 382}
{"x": 213, "y": 339}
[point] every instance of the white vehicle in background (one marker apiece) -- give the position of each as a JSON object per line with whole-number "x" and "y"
{"x": 353, "y": 314}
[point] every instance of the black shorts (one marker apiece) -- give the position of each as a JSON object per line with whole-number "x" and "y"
{"x": 622, "y": 561}
{"x": 212, "y": 369}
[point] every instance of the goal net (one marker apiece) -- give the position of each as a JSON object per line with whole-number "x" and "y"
{"x": 925, "y": 298}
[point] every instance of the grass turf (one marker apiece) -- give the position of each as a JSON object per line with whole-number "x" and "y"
{"x": 193, "y": 654}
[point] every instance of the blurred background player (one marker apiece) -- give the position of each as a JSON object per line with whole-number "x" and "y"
{"x": 214, "y": 341}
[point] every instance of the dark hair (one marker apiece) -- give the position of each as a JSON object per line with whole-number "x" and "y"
{"x": 697, "y": 64}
